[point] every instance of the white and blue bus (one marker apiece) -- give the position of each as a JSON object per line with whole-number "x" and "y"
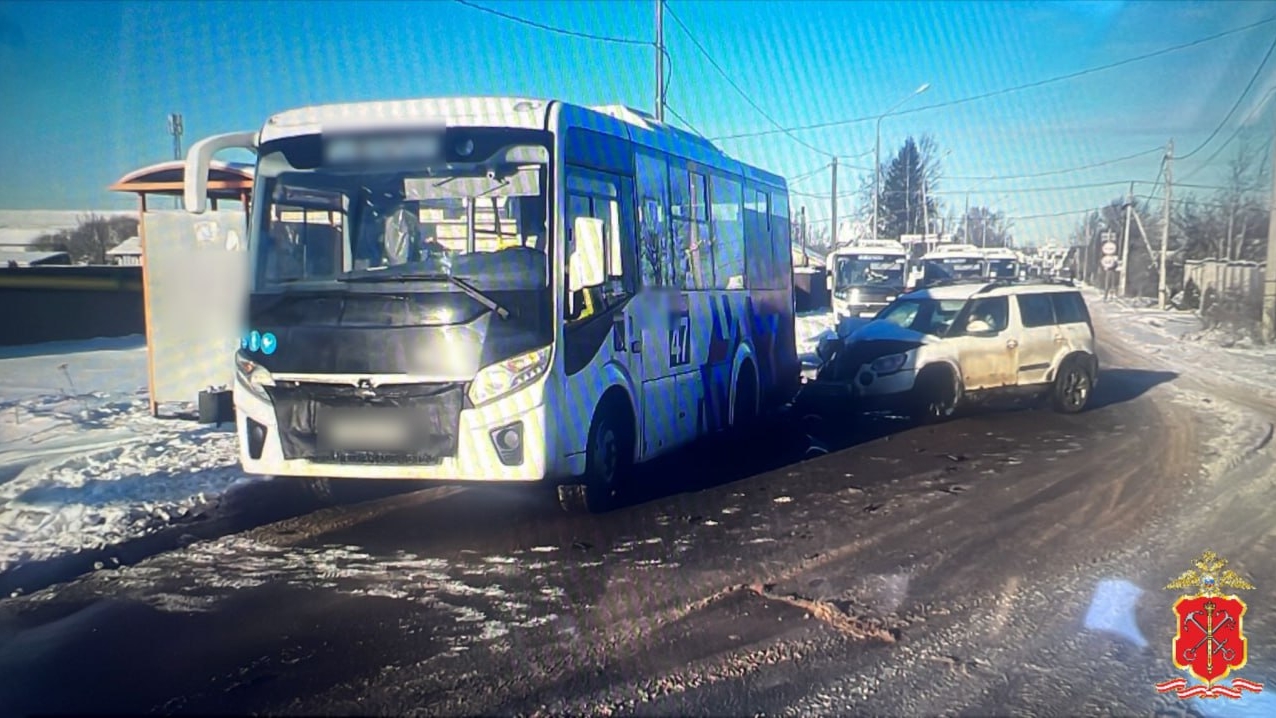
{"x": 502, "y": 290}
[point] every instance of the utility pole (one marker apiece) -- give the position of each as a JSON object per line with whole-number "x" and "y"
{"x": 802, "y": 225}
{"x": 965, "y": 232}
{"x": 833, "y": 197}
{"x": 925, "y": 213}
{"x": 660, "y": 60}
{"x": 1165, "y": 229}
{"x": 1125, "y": 242}
{"x": 1269, "y": 274}
{"x": 175, "y": 129}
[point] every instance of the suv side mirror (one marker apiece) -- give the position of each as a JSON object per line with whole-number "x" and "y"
{"x": 585, "y": 265}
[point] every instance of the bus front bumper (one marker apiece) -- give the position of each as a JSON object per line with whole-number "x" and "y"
{"x": 486, "y": 450}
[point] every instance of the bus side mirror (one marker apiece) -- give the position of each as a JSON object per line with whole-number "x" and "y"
{"x": 828, "y": 281}
{"x": 198, "y": 159}
{"x": 585, "y": 265}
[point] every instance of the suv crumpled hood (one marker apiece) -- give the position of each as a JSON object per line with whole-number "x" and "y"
{"x": 884, "y": 331}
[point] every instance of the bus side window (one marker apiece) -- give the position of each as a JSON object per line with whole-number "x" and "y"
{"x": 781, "y": 253}
{"x": 700, "y": 246}
{"x": 728, "y": 234}
{"x": 680, "y": 219}
{"x": 609, "y": 199}
{"x": 653, "y": 225}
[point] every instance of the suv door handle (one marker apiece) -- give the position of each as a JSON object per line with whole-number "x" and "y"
{"x": 636, "y": 346}
{"x": 1011, "y": 343}
{"x": 1059, "y": 339}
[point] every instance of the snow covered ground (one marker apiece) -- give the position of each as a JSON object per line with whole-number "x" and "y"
{"x": 810, "y": 327}
{"x": 1178, "y": 338}
{"x": 83, "y": 465}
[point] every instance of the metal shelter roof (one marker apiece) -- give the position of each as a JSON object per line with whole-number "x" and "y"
{"x": 226, "y": 180}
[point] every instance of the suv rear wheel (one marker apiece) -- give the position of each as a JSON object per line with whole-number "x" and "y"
{"x": 1072, "y": 386}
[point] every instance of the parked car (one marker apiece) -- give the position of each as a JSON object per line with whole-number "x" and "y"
{"x": 936, "y": 349}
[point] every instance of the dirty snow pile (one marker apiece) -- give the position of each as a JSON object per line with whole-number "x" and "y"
{"x": 83, "y": 465}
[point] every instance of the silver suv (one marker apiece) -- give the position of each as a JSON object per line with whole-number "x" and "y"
{"x": 935, "y": 349}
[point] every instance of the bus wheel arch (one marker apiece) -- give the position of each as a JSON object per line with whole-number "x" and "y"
{"x": 609, "y": 456}
{"x": 745, "y": 395}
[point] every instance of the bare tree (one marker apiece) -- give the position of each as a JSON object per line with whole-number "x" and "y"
{"x": 90, "y": 240}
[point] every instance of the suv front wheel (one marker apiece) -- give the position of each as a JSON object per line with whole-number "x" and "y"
{"x": 934, "y": 395}
{"x": 1072, "y": 387}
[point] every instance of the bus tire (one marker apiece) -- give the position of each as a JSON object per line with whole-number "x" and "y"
{"x": 744, "y": 408}
{"x": 608, "y": 459}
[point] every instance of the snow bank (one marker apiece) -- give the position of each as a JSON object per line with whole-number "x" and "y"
{"x": 83, "y": 465}
{"x": 1180, "y": 339}
{"x": 810, "y": 327}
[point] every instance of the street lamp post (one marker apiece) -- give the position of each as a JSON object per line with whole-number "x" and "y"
{"x": 877, "y": 152}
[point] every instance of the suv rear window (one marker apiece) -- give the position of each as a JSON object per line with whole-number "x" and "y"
{"x": 1070, "y": 308}
{"x": 1036, "y": 310}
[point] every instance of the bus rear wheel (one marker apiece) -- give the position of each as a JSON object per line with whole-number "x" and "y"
{"x": 608, "y": 460}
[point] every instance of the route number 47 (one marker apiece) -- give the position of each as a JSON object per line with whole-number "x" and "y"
{"x": 680, "y": 340}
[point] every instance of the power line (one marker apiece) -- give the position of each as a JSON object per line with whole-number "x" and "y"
{"x": 1008, "y": 90}
{"x": 1063, "y": 171}
{"x": 1248, "y": 86}
{"x": 741, "y": 92}
{"x": 1235, "y": 133}
{"x": 685, "y": 121}
{"x": 552, "y": 28}
{"x": 808, "y": 175}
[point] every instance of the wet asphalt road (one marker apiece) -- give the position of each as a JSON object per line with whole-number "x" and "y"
{"x": 1003, "y": 562}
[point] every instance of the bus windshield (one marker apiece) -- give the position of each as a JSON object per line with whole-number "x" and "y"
{"x": 958, "y": 267}
{"x": 864, "y": 270}
{"x": 1001, "y": 268}
{"x": 485, "y": 226}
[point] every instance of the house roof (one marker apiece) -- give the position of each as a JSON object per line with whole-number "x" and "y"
{"x": 129, "y": 247}
{"x": 26, "y": 259}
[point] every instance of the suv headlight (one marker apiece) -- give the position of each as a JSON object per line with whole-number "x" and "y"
{"x": 253, "y": 375}
{"x": 507, "y": 375}
{"x": 889, "y": 363}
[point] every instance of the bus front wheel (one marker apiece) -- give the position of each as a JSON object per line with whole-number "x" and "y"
{"x": 608, "y": 458}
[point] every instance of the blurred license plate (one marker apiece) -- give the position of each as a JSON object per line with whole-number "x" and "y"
{"x": 365, "y": 430}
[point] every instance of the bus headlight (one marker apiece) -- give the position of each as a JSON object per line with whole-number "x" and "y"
{"x": 253, "y": 376}
{"x": 505, "y": 376}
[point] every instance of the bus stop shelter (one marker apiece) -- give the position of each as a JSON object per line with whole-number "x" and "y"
{"x": 193, "y": 269}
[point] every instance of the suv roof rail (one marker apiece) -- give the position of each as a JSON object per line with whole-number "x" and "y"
{"x": 1011, "y": 282}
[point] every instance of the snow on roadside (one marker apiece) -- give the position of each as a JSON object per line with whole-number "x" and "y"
{"x": 83, "y": 465}
{"x": 810, "y": 327}
{"x": 1176, "y": 337}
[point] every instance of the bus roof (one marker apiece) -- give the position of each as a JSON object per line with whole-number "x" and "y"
{"x": 515, "y": 112}
{"x": 954, "y": 250}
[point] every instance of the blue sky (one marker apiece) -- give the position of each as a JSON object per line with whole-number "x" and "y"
{"x": 89, "y": 84}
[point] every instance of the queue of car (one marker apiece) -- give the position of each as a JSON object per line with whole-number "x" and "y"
{"x": 971, "y": 328}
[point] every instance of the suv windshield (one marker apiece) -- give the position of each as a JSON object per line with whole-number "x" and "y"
{"x": 485, "y": 225}
{"x": 869, "y": 271}
{"x": 928, "y": 316}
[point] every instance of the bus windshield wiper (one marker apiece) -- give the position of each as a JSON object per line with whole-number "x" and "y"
{"x": 474, "y": 293}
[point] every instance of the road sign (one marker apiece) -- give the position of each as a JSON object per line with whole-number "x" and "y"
{"x": 1109, "y": 247}
{"x": 1108, "y": 262}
